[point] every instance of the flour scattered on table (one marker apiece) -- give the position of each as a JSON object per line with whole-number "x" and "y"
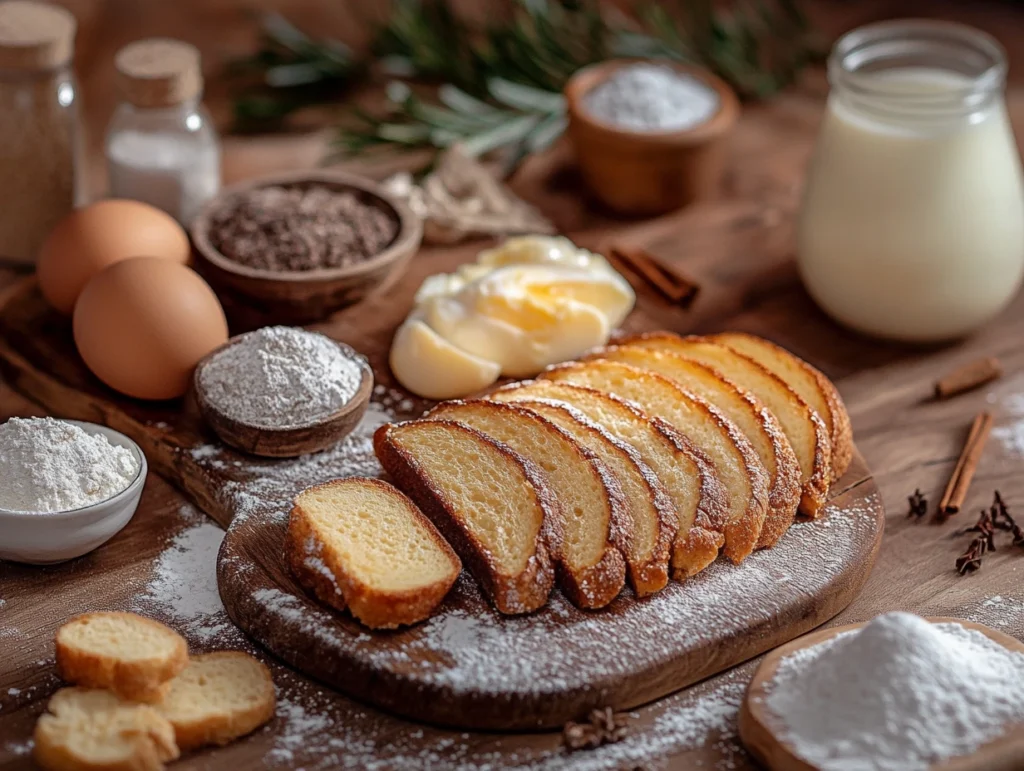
{"x": 999, "y": 612}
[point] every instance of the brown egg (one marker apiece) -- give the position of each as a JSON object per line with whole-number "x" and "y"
{"x": 93, "y": 237}
{"x": 143, "y": 324}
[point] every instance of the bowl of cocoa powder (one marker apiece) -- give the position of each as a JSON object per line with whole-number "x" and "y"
{"x": 292, "y": 249}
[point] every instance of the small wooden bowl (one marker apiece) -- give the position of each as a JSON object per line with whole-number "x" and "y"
{"x": 759, "y": 727}
{"x": 649, "y": 172}
{"x": 302, "y": 297}
{"x": 292, "y": 441}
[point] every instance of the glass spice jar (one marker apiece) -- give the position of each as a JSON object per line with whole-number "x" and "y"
{"x": 38, "y": 124}
{"x": 912, "y": 224}
{"x": 161, "y": 145}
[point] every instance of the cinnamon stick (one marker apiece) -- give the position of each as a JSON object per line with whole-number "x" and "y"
{"x": 669, "y": 282}
{"x": 966, "y": 465}
{"x": 968, "y": 377}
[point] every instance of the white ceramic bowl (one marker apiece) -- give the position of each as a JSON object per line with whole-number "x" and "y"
{"x": 45, "y": 538}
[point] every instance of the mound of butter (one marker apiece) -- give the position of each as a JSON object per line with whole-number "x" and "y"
{"x": 531, "y": 302}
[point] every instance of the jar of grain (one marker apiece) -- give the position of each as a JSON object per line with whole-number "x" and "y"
{"x": 38, "y": 124}
{"x": 161, "y": 145}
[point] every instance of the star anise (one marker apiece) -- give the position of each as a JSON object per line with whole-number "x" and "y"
{"x": 918, "y": 505}
{"x": 603, "y": 726}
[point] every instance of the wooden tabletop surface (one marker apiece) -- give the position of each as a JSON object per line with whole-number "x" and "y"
{"x": 909, "y": 441}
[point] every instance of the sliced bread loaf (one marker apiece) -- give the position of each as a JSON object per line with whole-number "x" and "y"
{"x": 735, "y": 461}
{"x": 595, "y": 526}
{"x": 744, "y": 409}
{"x": 362, "y": 544}
{"x": 131, "y": 655}
{"x": 491, "y": 504}
{"x": 218, "y": 698}
{"x": 689, "y": 478}
{"x": 88, "y": 729}
{"x": 805, "y": 430}
{"x": 816, "y": 389}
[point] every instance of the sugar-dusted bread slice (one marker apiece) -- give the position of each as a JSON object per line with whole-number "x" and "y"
{"x": 653, "y": 519}
{"x": 218, "y": 698}
{"x": 129, "y": 654}
{"x": 816, "y": 389}
{"x": 687, "y": 475}
{"x": 735, "y": 461}
{"x": 362, "y": 544}
{"x": 595, "y": 526}
{"x": 86, "y": 729}
{"x": 805, "y": 430}
{"x": 491, "y": 504}
{"x": 744, "y": 409}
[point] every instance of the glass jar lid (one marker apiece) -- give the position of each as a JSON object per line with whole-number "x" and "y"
{"x": 159, "y": 72}
{"x": 35, "y": 36}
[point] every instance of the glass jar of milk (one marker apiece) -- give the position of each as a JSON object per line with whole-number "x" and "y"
{"x": 912, "y": 225}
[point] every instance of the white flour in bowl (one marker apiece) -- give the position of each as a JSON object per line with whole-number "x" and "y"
{"x": 652, "y": 97}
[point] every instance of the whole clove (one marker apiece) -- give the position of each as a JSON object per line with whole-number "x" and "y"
{"x": 918, "y": 505}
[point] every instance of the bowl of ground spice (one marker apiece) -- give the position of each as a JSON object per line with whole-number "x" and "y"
{"x": 293, "y": 249}
{"x": 650, "y": 136}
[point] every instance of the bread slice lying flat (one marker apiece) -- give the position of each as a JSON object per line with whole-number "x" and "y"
{"x": 688, "y": 477}
{"x": 131, "y": 655}
{"x": 806, "y": 431}
{"x": 744, "y": 409}
{"x": 362, "y": 544}
{"x": 218, "y": 698}
{"x": 816, "y": 389}
{"x": 595, "y": 526}
{"x": 93, "y": 729}
{"x": 735, "y": 461}
{"x": 653, "y": 519}
{"x": 491, "y": 505}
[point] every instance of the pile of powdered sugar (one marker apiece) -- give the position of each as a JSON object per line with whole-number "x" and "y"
{"x": 651, "y": 97}
{"x": 281, "y": 377}
{"x": 49, "y": 465}
{"x": 897, "y": 695}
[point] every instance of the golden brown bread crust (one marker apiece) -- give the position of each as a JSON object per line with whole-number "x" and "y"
{"x": 511, "y": 594}
{"x": 591, "y": 586}
{"x": 141, "y": 679}
{"x": 841, "y": 431}
{"x": 336, "y": 586}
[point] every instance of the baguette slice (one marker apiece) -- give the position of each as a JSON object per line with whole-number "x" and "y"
{"x": 744, "y": 409}
{"x": 735, "y": 461}
{"x": 816, "y": 389}
{"x": 490, "y": 504}
{"x": 595, "y": 526}
{"x": 697, "y": 493}
{"x": 93, "y": 730}
{"x": 805, "y": 430}
{"x": 360, "y": 543}
{"x": 653, "y": 519}
{"x": 218, "y": 698}
{"x": 129, "y": 654}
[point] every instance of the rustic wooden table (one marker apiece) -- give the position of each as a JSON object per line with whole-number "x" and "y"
{"x": 742, "y": 247}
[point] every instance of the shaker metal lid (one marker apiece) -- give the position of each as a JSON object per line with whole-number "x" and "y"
{"x": 35, "y": 35}
{"x": 159, "y": 72}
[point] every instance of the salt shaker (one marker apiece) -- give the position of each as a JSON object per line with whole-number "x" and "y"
{"x": 38, "y": 124}
{"x": 161, "y": 146}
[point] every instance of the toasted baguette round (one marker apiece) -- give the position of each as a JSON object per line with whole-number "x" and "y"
{"x": 218, "y": 698}
{"x": 129, "y": 654}
{"x": 93, "y": 730}
{"x": 362, "y": 544}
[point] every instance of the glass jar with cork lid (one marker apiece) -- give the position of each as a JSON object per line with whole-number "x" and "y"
{"x": 38, "y": 124}
{"x": 161, "y": 145}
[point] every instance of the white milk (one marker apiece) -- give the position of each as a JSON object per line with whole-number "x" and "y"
{"x": 912, "y": 224}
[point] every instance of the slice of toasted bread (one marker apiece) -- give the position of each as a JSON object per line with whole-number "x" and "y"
{"x": 806, "y": 432}
{"x": 744, "y": 409}
{"x": 361, "y": 543}
{"x": 816, "y": 389}
{"x": 697, "y": 493}
{"x": 129, "y": 654}
{"x": 218, "y": 698}
{"x": 93, "y": 729}
{"x": 595, "y": 526}
{"x": 491, "y": 504}
{"x": 652, "y": 516}
{"x": 735, "y": 461}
